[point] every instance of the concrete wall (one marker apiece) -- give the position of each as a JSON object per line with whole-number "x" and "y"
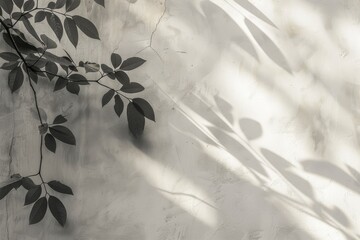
{"x": 257, "y": 131}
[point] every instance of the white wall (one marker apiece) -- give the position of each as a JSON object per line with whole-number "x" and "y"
{"x": 257, "y": 131}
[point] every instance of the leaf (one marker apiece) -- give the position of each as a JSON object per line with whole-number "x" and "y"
{"x": 51, "y": 67}
{"x": 27, "y": 183}
{"x": 107, "y": 97}
{"x": 33, "y": 194}
{"x": 58, "y": 210}
{"x": 30, "y": 29}
{"x": 71, "y": 31}
{"x": 119, "y": 105}
{"x": 60, "y": 4}
{"x": 23, "y": 46}
{"x": 40, "y": 16}
{"x": 115, "y": 60}
{"x": 43, "y": 128}
{"x": 50, "y": 142}
{"x": 60, "y": 187}
{"x": 51, "y": 5}
{"x": 59, "y": 119}
{"x": 60, "y": 60}
{"x": 122, "y": 77}
{"x": 60, "y": 84}
{"x": 72, "y": 4}
{"x": 78, "y": 79}
{"x": 49, "y": 43}
{"x": 28, "y": 5}
{"x": 9, "y": 65}
{"x": 38, "y": 211}
{"x": 9, "y": 56}
{"x": 5, "y": 190}
{"x": 13, "y": 179}
{"x": 7, "y": 5}
{"x": 86, "y": 26}
{"x": 16, "y": 79}
{"x": 100, "y": 2}
{"x": 63, "y": 134}
{"x": 106, "y": 68}
{"x": 132, "y": 88}
{"x": 136, "y": 120}
{"x": 145, "y": 108}
{"x": 56, "y": 25}
{"x": 132, "y": 63}
{"x": 33, "y": 76}
{"x": 19, "y": 3}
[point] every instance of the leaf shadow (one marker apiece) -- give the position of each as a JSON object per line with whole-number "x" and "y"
{"x": 268, "y": 46}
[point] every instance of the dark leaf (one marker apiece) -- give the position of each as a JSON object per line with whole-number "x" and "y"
{"x": 132, "y": 63}
{"x": 111, "y": 75}
{"x": 59, "y": 119}
{"x": 51, "y": 5}
{"x": 7, "y": 186}
{"x": 52, "y": 68}
{"x": 72, "y": 4}
{"x": 73, "y": 88}
{"x": 50, "y": 142}
{"x": 33, "y": 76}
{"x": 86, "y": 26}
{"x": 27, "y": 183}
{"x": 7, "y": 5}
{"x": 19, "y": 3}
{"x": 5, "y": 190}
{"x": 107, "y": 97}
{"x": 122, "y": 77}
{"x": 30, "y": 29}
{"x": 115, "y": 60}
{"x": 56, "y": 25}
{"x": 40, "y": 16}
{"x": 16, "y": 16}
{"x": 71, "y": 31}
{"x": 60, "y": 84}
{"x": 79, "y": 79}
{"x": 58, "y": 210}
{"x": 9, "y": 56}
{"x": 60, "y": 60}
{"x": 60, "y": 4}
{"x": 13, "y": 179}
{"x": 145, "y": 108}
{"x": 49, "y": 43}
{"x": 28, "y": 5}
{"x": 100, "y": 2}
{"x": 43, "y": 128}
{"x": 136, "y": 120}
{"x": 38, "y": 211}
{"x": 22, "y": 45}
{"x": 9, "y": 65}
{"x": 106, "y": 68}
{"x": 119, "y": 105}
{"x": 63, "y": 134}
{"x": 33, "y": 194}
{"x": 60, "y": 187}
{"x": 16, "y": 79}
{"x": 132, "y": 87}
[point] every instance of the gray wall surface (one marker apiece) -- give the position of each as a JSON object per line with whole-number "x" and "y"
{"x": 256, "y": 137}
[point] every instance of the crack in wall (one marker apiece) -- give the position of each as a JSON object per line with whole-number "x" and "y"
{"x": 154, "y": 31}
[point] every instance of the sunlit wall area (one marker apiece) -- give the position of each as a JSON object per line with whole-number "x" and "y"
{"x": 256, "y": 135}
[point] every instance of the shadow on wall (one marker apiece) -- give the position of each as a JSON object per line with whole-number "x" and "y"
{"x": 236, "y": 196}
{"x": 254, "y": 163}
{"x": 228, "y": 201}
